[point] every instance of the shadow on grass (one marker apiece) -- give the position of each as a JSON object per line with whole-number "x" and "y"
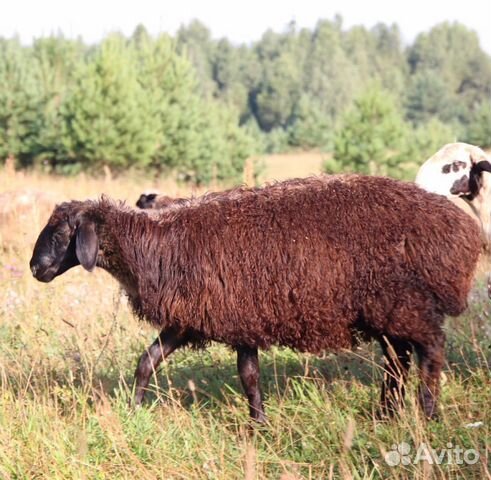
{"x": 213, "y": 373}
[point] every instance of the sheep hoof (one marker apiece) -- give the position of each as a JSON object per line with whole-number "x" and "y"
{"x": 257, "y": 424}
{"x": 261, "y": 420}
{"x": 134, "y": 405}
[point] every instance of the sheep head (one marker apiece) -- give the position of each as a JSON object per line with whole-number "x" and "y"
{"x": 154, "y": 201}
{"x": 69, "y": 239}
{"x": 147, "y": 200}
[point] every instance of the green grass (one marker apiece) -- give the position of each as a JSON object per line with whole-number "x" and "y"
{"x": 64, "y": 390}
{"x": 68, "y": 350}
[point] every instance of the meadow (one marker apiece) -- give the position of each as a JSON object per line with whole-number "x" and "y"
{"x": 68, "y": 350}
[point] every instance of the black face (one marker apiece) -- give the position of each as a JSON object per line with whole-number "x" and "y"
{"x": 54, "y": 252}
{"x": 69, "y": 239}
{"x": 475, "y": 180}
{"x": 146, "y": 200}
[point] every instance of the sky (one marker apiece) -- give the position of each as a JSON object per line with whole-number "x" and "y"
{"x": 240, "y": 21}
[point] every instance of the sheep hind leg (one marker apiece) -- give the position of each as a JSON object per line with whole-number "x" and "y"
{"x": 397, "y": 359}
{"x": 248, "y": 367}
{"x": 162, "y": 347}
{"x": 431, "y": 355}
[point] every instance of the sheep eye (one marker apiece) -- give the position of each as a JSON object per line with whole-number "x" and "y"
{"x": 58, "y": 237}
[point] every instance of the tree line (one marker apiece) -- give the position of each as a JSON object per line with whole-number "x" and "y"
{"x": 201, "y": 106}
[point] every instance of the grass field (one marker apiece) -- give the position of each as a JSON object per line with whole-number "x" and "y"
{"x": 68, "y": 350}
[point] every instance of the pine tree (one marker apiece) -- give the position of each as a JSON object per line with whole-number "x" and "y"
{"x": 279, "y": 88}
{"x": 19, "y": 103}
{"x": 199, "y": 138}
{"x": 173, "y": 101}
{"x": 428, "y": 97}
{"x": 194, "y": 42}
{"x": 55, "y": 61}
{"x": 329, "y": 75}
{"x": 310, "y": 127}
{"x": 371, "y": 136}
{"x": 106, "y": 115}
{"x": 451, "y": 52}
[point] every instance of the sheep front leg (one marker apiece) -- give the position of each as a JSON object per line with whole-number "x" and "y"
{"x": 397, "y": 358}
{"x": 431, "y": 357}
{"x": 248, "y": 367}
{"x": 161, "y": 348}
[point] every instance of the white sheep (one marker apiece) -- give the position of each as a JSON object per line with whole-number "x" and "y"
{"x": 462, "y": 173}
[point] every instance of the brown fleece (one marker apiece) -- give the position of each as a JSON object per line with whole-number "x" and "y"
{"x": 304, "y": 263}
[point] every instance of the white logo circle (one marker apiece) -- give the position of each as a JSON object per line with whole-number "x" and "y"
{"x": 399, "y": 454}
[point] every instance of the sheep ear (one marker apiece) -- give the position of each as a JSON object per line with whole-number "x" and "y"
{"x": 482, "y": 166}
{"x": 87, "y": 245}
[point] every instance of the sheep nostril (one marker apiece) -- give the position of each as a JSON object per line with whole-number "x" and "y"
{"x": 34, "y": 269}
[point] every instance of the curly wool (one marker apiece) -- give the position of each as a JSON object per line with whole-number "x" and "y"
{"x": 304, "y": 263}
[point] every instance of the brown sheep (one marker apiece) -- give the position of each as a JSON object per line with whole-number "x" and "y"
{"x": 312, "y": 264}
{"x": 153, "y": 201}
{"x": 158, "y": 201}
